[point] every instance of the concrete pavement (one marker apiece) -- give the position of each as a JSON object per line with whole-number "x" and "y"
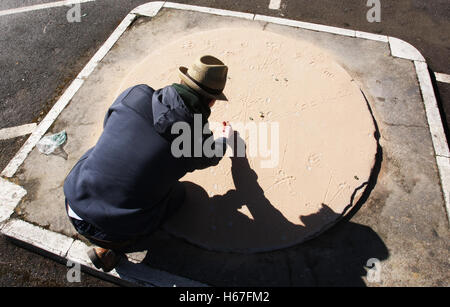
{"x": 435, "y": 229}
{"x": 401, "y": 221}
{"x": 38, "y": 61}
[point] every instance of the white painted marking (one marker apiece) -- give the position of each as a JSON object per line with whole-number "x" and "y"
{"x": 13, "y": 132}
{"x": 62, "y": 102}
{"x": 132, "y": 271}
{"x": 78, "y": 253}
{"x": 440, "y": 77}
{"x": 431, "y": 110}
{"x": 47, "y": 240}
{"x": 371, "y": 36}
{"x": 274, "y": 4}
{"x": 41, "y": 6}
{"x": 10, "y": 195}
{"x": 149, "y": 9}
{"x": 18, "y": 159}
{"x": 100, "y": 54}
{"x": 402, "y": 49}
{"x": 209, "y": 10}
{"x": 306, "y": 25}
{"x": 444, "y": 172}
{"x": 139, "y": 272}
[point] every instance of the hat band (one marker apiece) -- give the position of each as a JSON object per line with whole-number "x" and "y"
{"x": 204, "y": 87}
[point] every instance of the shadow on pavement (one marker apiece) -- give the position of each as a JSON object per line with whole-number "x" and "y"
{"x": 338, "y": 257}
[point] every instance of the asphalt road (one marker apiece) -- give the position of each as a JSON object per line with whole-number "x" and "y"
{"x": 41, "y": 52}
{"x": 22, "y": 268}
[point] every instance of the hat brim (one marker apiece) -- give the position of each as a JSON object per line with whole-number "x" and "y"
{"x": 182, "y": 73}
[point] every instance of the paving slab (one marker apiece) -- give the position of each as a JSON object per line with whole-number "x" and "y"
{"x": 400, "y": 221}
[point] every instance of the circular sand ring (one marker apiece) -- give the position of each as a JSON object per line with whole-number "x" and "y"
{"x": 326, "y": 146}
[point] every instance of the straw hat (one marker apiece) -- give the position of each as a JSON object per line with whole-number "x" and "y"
{"x": 207, "y": 76}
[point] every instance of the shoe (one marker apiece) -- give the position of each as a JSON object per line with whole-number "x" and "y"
{"x": 104, "y": 259}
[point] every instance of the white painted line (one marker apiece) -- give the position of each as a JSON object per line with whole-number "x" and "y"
{"x": 209, "y": 10}
{"x": 78, "y": 253}
{"x": 41, "y": 6}
{"x": 13, "y": 132}
{"x": 100, "y": 54}
{"x": 149, "y": 9}
{"x": 143, "y": 273}
{"x": 62, "y": 102}
{"x": 130, "y": 271}
{"x": 274, "y": 4}
{"x": 371, "y": 36}
{"x": 306, "y": 25}
{"x": 432, "y": 110}
{"x": 402, "y": 49}
{"x": 26, "y": 148}
{"x": 444, "y": 172}
{"x": 440, "y": 77}
{"x": 47, "y": 240}
{"x": 10, "y": 196}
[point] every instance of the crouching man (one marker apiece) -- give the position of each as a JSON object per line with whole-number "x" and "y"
{"x": 126, "y": 186}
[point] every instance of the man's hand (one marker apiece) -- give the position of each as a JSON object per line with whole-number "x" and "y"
{"x": 234, "y": 140}
{"x": 227, "y": 130}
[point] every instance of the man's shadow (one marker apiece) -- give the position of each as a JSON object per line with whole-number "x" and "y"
{"x": 336, "y": 257}
{"x": 242, "y": 220}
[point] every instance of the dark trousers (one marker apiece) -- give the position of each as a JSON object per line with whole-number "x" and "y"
{"x": 127, "y": 244}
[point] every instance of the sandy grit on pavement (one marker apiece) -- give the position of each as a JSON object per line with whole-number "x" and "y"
{"x": 320, "y": 146}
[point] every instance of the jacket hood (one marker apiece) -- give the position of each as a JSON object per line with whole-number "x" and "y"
{"x": 168, "y": 108}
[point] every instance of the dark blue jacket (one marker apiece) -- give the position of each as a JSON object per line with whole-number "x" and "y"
{"x": 121, "y": 184}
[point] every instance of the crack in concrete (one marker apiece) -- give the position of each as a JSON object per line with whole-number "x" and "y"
{"x": 403, "y": 125}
